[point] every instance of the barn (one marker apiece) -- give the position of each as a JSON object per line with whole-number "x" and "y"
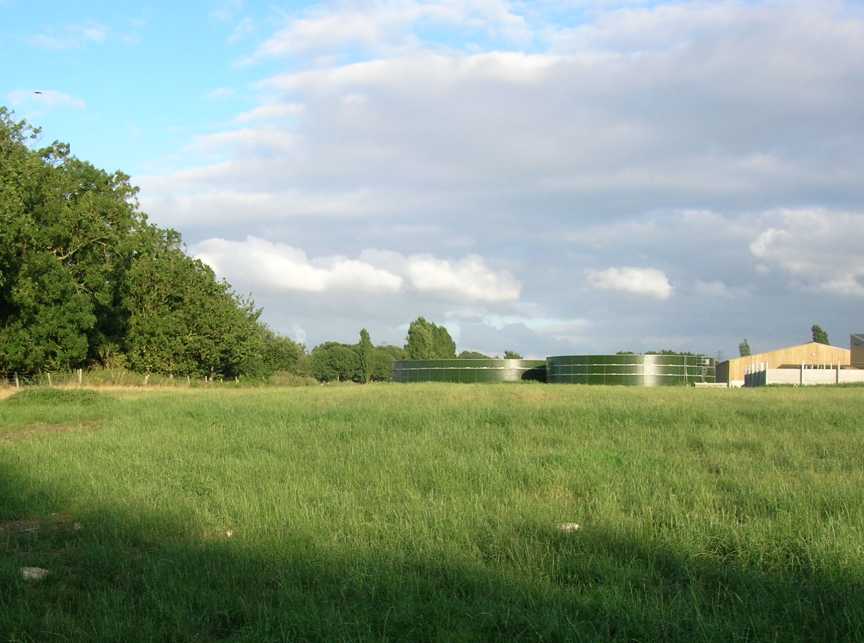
{"x": 732, "y": 371}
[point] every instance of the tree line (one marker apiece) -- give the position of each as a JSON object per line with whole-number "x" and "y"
{"x": 87, "y": 280}
{"x": 365, "y": 362}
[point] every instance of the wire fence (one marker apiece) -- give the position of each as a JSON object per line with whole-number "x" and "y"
{"x": 126, "y": 378}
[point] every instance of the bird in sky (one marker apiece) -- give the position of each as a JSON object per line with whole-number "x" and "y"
{"x": 38, "y": 92}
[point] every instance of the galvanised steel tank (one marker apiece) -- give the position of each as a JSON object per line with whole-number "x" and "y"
{"x": 469, "y": 370}
{"x": 631, "y": 369}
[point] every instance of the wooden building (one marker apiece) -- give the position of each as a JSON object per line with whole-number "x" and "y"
{"x": 811, "y": 354}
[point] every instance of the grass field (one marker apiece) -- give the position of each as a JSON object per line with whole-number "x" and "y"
{"x": 433, "y": 512}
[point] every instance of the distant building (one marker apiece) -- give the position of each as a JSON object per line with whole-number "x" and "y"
{"x": 858, "y": 350}
{"x": 811, "y": 355}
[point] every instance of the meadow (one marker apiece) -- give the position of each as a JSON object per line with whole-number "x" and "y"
{"x": 432, "y": 512}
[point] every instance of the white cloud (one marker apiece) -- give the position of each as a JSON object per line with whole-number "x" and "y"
{"x": 717, "y": 289}
{"x": 70, "y": 36}
{"x": 214, "y": 206}
{"x": 254, "y": 141}
{"x": 557, "y": 328}
{"x": 469, "y": 278}
{"x": 649, "y": 282}
{"x": 817, "y": 249}
{"x": 45, "y": 99}
{"x": 279, "y": 267}
{"x": 263, "y": 265}
{"x": 271, "y": 111}
{"x": 386, "y": 25}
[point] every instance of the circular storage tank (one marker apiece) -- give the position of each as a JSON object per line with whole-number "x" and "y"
{"x": 631, "y": 370}
{"x": 469, "y": 370}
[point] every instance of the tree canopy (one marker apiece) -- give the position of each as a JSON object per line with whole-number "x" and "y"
{"x": 744, "y": 349}
{"x": 472, "y": 355}
{"x": 429, "y": 341}
{"x": 86, "y": 279}
{"x": 819, "y": 335}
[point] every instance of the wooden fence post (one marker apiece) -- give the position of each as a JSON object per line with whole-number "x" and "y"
{"x": 17, "y": 383}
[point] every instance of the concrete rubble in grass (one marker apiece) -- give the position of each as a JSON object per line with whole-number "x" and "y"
{"x": 34, "y": 573}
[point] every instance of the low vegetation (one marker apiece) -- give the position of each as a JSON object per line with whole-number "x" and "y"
{"x": 432, "y": 512}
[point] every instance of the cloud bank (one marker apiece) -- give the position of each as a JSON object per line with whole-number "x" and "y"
{"x": 643, "y": 168}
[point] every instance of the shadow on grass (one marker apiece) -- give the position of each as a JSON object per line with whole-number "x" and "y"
{"x": 139, "y": 578}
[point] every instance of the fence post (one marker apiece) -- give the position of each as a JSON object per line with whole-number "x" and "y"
{"x": 80, "y": 376}
{"x": 17, "y": 383}
{"x": 50, "y": 383}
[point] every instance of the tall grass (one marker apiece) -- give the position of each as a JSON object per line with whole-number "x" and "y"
{"x": 433, "y": 512}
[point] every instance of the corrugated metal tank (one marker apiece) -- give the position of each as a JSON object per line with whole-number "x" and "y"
{"x": 469, "y": 370}
{"x": 631, "y": 370}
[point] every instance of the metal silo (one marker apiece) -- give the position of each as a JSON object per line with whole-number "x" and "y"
{"x": 469, "y": 370}
{"x": 631, "y": 369}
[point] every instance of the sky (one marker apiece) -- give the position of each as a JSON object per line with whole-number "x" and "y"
{"x": 549, "y": 177}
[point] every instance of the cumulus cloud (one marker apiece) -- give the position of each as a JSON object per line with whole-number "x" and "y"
{"x": 382, "y": 26}
{"x": 271, "y": 111}
{"x": 816, "y": 249}
{"x": 279, "y": 267}
{"x": 469, "y": 278}
{"x": 649, "y": 282}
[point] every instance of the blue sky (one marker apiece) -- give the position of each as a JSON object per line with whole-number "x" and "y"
{"x": 555, "y": 176}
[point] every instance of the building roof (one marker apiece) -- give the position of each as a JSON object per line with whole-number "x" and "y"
{"x": 813, "y": 350}
{"x": 809, "y": 353}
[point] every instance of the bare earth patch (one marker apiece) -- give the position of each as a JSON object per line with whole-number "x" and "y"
{"x": 53, "y": 523}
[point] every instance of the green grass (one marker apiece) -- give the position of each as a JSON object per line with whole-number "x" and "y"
{"x": 431, "y": 512}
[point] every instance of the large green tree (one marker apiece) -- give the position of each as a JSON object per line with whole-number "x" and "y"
{"x": 183, "y": 320}
{"x": 85, "y": 278}
{"x": 65, "y": 229}
{"x": 334, "y": 362}
{"x": 365, "y": 349}
{"x": 429, "y": 341}
{"x": 281, "y": 353}
{"x": 382, "y": 362}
